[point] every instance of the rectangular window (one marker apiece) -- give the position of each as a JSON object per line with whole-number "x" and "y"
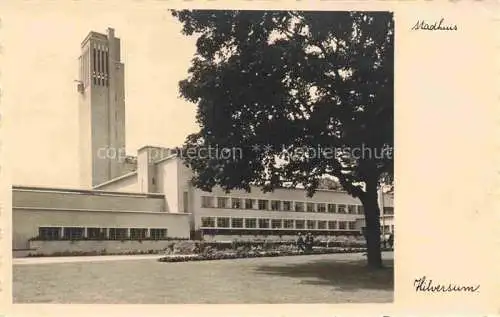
{"x": 102, "y": 61}
{"x": 98, "y": 61}
{"x": 300, "y": 224}
{"x": 351, "y": 209}
{"x": 321, "y": 224}
{"x": 264, "y": 223}
{"x": 388, "y": 210}
{"x": 138, "y": 233}
{"x": 360, "y": 210}
{"x": 311, "y": 224}
{"x": 94, "y": 68}
{"x": 222, "y": 202}
{"x": 73, "y": 233}
{"x": 208, "y": 222}
{"x": 236, "y": 203}
{"x": 276, "y": 224}
{"x": 332, "y": 208}
{"x": 332, "y": 225}
{"x": 117, "y": 233}
{"x": 352, "y": 225}
{"x": 207, "y": 202}
{"x": 275, "y": 205}
{"x": 106, "y": 63}
{"x": 223, "y": 222}
{"x": 158, "y": 234}
{"x": 299, "y": 207}
{"x": 321, "y": 208}
{"x": 288, "y": 223}
{"x": 250, "y": 223}
{"x": 96, "y": 233}
{"x": 185, "y": 200}
{"x": 287, "y": 205}
{"x": 341, "y": 209}
{"x": 310, "y": 207}
{"x": 49, "y": 233}
{"x": 237, "y": 222}
{"x": 248, "y": 203}
{"x": 342, "y": 225}
{"x": 263, "y": 204}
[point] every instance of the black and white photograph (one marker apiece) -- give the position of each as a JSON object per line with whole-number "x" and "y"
{"x": 204, "y": 157}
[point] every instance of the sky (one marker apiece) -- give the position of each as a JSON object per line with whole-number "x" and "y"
{"x": 41, "y": 46}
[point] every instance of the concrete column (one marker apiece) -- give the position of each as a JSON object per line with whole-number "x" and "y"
{"x": 85, "y": 233}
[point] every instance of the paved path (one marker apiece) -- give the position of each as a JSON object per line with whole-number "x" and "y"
{"x": 76, "y": 259}
{"x": 333, "y": 278}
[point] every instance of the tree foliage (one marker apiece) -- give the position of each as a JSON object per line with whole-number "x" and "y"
{"x": 288, "y": 80}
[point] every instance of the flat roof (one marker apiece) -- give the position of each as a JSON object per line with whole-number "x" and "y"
{"x": 85, "y": 191}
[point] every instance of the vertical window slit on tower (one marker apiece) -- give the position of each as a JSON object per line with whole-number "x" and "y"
{"x": 99, "y": 66}
{"x": 94, "y": 69}
{"x": 94, "y": 65}
{"x": 102, "y": 61}
{"x": 87, "y": 67}
{"x": 98, "y": 60}
{"x": 103, "y": 74}
{"x": 107, "y": 63}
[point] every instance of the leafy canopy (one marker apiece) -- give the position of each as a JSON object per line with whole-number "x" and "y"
{"x": 287, "y": 80}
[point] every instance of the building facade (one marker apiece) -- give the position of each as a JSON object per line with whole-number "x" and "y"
{"x": 133, "y": 202}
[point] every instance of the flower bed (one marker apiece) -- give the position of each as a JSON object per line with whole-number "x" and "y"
{"x": 92, "y": 253}
{"x": 227, "y": 255}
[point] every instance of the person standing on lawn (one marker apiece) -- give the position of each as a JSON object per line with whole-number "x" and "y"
{"x": 300, "y": 243}
{"x": 309, "y": 242}
{"x": 391, "y": 240}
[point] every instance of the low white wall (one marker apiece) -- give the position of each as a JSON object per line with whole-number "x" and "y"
{"x": 51, "y": 247}
{"x": 27, "y": 221}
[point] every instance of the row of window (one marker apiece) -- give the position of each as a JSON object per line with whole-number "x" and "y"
{"x": 383, "y": 229}
{"x": 75, "y": 233}
{"x": 278, "y": 205}
{"x": 263, "y": 223}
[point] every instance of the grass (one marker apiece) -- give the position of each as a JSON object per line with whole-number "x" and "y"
{"x": 333, "y": 278}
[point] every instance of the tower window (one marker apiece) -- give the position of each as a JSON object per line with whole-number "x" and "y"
{"x": 94, "y": 60}
{"x": 106, "y": 62}
{"x": 98, "y": 61}
{"x": 101, "y": 57}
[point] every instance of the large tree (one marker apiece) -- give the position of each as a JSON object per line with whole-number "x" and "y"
{"x": 271, "y": 82}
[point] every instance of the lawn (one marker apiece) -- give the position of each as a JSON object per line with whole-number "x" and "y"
{"x": 332, "y": 278}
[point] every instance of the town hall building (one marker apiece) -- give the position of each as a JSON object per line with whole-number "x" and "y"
{"x": 137, "y": 202}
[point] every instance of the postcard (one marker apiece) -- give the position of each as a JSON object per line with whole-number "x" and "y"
{"x": 288, "y": 158}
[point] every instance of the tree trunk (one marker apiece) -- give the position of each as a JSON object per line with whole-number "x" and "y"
{"x": 372, "y": 217}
